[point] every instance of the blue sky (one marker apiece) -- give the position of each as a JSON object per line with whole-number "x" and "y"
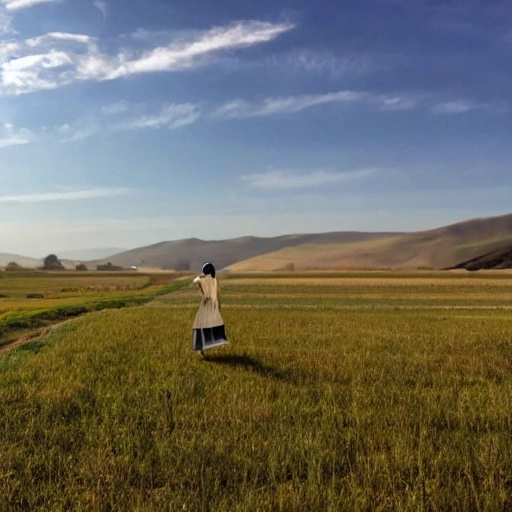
{"x": 125, "y": 126}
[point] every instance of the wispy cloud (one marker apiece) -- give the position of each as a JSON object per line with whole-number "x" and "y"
{"x": 290, "y": 179}
{"x": 5, "y": 24}
{"x": 102, "y": 7}
{"x": 463, "y": 106}
{"x": 12, "y": 5}
{"x": 119, "y": 107}
{"x": 123, "y": 116}
{"x": 52, "y": 37}
{"x": 78, "y": 133}
{"x": 182, "y": 55}
{"x": 75, "y": 195}
{"x": 170, "y": 116}
{"x": 12, "y": 141}
{"x": 11, "y": 136}
{"x": 396, "y": 102}
{"x": 291, "y": 104}
{"x": 325, "y": 62}
{"x": 53, "y": 60}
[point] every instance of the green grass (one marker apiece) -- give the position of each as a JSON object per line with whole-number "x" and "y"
{"x": 369, "y": 408}
{"x": 85, "y": 293}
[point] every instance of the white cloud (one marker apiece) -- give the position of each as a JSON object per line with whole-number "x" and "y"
{"x": 12, "y": 136}
{"x": 64, "y": 63}
{"x": 7, "y": 48}
{"x": 291, "y": 104}
{"x": 65, "y": 196}
{"x": 5, "y": 24}
{"x": 323, "y": 62}
{"x": 397, "y": 102}
{"x": 102, "y": 7}
{"x": 12, "y": 141}
{"x": 115, "y": 118}
{"x": 115, "y": 108}
{"x": 171, "y": 116}
{"x": 183, "y": 55}
{"x": 23, "y": 4}
{"x": 59, "y": 36}
{"x": 457, "y": 107}
{"x": 285, "y": 179}
{"x": 75, "y": 134}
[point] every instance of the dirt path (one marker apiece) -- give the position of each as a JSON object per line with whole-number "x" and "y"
{"x": 31, "y": 336}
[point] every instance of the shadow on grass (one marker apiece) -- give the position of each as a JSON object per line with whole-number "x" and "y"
{"x": 248, "y": 363}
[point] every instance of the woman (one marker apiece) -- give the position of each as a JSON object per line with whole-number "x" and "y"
{"x": 208, "y": 325}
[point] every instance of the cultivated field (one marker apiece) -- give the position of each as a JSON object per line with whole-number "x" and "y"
{"x": 30, "y": 299}
{"x": 365, "y": 391}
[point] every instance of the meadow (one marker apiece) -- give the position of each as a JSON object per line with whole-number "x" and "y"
{"x": 31, "y": 299}
{"x": 357, "y": 391}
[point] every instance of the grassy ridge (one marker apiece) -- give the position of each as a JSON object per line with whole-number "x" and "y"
{"x": 306, "y": 409}
{"x": 29, "y": 314}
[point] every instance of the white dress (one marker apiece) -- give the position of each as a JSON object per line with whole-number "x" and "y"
{"x": 209, "y": 330}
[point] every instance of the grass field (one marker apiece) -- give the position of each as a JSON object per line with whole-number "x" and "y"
{"x": 368, "y": 391}
{"x": 31, "y": 299}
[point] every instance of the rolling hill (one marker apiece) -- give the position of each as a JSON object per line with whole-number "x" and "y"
{"x": 190, "y": 254}
{"x": 437, "y": 248}
{"x": 444, "y": 247}
{"x": 23, "y": 261}
{"x": 498, "y": 259}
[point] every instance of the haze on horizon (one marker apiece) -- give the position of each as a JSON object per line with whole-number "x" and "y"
{"x": 123, "y": 127}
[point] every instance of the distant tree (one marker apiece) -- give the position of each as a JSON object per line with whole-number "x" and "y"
{"x": 108, "y": 266}
{"x": 12, "y": 265}
{"x": 81, "y": 266}
{"x": 51, "y": 262}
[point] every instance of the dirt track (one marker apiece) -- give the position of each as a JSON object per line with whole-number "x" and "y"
{"x": 30, "y": 336}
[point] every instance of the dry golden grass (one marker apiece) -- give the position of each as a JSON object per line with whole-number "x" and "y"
{"x": 311, "y": 407}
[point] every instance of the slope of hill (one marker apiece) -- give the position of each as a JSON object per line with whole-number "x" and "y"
{"x": 437, "y": 248}
{"x": 190, "y": 254}
{"x": 443, "y": 247}
{"x": 23, "y": 261}
{"x": 498, "y": 259}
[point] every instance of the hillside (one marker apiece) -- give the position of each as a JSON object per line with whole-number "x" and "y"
{"x": 444, "y": 247}
{"x": 23, "y": 261}
{"x": 437, "y": 248}
{"x": 190, "y": 254}
{"x": 499, "y": 259}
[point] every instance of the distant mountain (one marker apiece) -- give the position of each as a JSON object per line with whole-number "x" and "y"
{"x": 437, "y": 248}
{"x": 498, "y": 259}
{"x": 190, "y": 254}
{"x": 444, "y": 247}
{"x": 89, "y": 254}
{"x": 23, "y": 261}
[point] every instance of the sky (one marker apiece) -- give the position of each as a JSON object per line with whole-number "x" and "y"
{"x": 124, "y": 124}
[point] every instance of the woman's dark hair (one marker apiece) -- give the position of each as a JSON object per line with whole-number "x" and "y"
{"x": 209, "y": 269}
